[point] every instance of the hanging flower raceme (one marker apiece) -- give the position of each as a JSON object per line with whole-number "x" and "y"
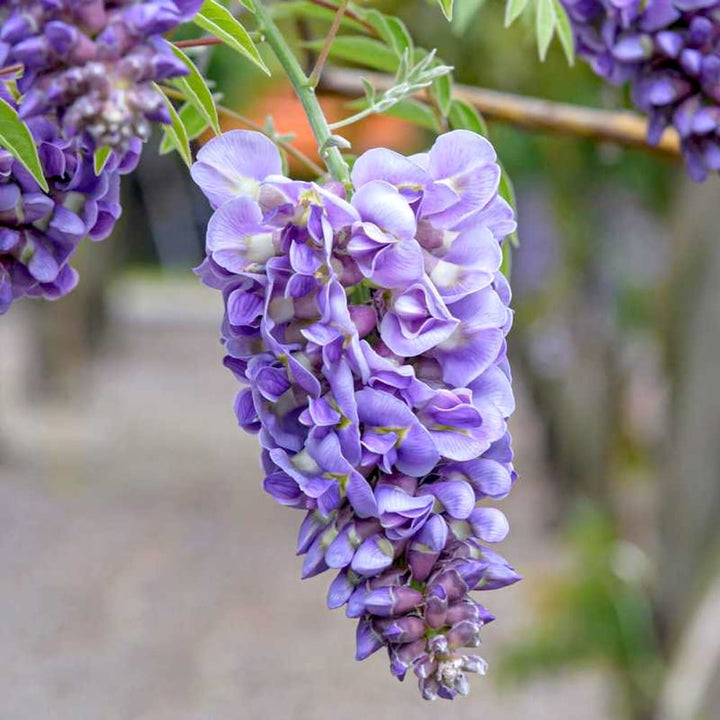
{"x": 668, "y": 51}
{"x": 92, "y": 62}
{"x": 370, "y": 335}
{"x": 40, "y": 231}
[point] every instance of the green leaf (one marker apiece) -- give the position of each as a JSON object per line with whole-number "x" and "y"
{"x": 17, "y": 140}
{"x": 401, "y": 38}
{"x": 441, "y": 90}
{"x": 564, "y": 32}
{"x": 506, "y": 264}
{"x": 506, "y": 190}
{"x": 197, "y": 92}
{"x": 360, "y": 50}
{"x": 219, "y": 22}
{"x": 513, "y": 10}
{"x": 102, "y": 154}
{"x": 464, "y": 13}
{"x": 415, "y": 112}
{"x": 195, "y": 125}
{"x": 512, "y": 241}
{"x": 447, "y": 8}
{"x": 176, "y": 131}
{"x": 463, "y": 116}
{"x": 391, "y": 30}
{"x": 544, "y": 25}
{"x": 370, "y": 92}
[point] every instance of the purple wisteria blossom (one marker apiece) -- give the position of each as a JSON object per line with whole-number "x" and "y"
{"x": 40, "y": 231}
{"x": 369, "y": 334}
{"x": 92, "y": 62}
{"x": 668, "y": 50}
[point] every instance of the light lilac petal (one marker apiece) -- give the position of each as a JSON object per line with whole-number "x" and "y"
{"x": 339, "y": 591}
{"x": 457, "y": 152}
{"x": 457, "y": 445}
{"x": 233, "y": 164}
{"x": 388, "y": 165}
{"x": 489, "y": 524}
{"x": 487, "y": 477}
{"x": 367, "y": 640}
{"x": 361, "y": 496}
{"x": 457, "y": 497}
{"x": 340, "y": 551}
{"x": 374, "y": 555}
{"x": 381, "y": 204}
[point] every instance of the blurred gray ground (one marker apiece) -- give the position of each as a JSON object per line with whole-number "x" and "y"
{"x": 144, "y": 575}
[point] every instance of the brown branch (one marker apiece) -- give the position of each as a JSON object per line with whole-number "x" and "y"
{"x": 11, "y": 69}
{"x": 197, "y": 42}
{"x": 622, "y": 127}
{"x": 349, "y": 12}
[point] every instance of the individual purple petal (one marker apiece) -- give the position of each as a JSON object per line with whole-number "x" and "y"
{"x": 416, "y": 321}
{"x": 487, "y": 477}
{"x": 391, "y": 601}
{"x": 374, "y": 555}
{"x": 401, "y": 630}
{"x": 489, "y": 524}
{"x": 339, "y": 591}
{"x": 367, "y": 640}
{"x": 462, "y": 166}
{"x": 426, "y": 546}
{"x": 389, "y": 166}
{"x": 382, "y": 243}
{"x": 234, "y": 164}
{"x": 401, "y": 513}
{"x": 416, "y": 453}
{"x": 237, "y": 239}
{"x": 456, "y": 497}
{"x": 313, "y": 524}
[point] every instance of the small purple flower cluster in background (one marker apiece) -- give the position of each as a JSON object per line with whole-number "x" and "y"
{"x": 87, "y": 69}
{"x": 669, "y": 50}
{"x": 370, "y": 333}
{"x": 40, "y": 231}
{"x": 91, "y": 62}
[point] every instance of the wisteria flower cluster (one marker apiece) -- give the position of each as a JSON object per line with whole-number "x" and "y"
{"x": 669, "y": 50}
{"x": 39, "y": 231}
{"x": 91, "y": 63}
{"x": 370, "y": 335}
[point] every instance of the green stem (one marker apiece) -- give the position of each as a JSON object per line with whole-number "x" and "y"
{"x": 353, "y": 118}
{"x": 306, "y": 94}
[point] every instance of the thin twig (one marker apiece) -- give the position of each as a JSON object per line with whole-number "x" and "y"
{"x": 11, "y": 69}
{"x": 622, "y": 127}
{"x": 197, "y": 42}
{"x": 350, "y": 13}
{"x": 322, "y": 58}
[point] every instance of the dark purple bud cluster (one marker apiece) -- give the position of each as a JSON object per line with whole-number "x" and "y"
{"x": 369, "y": 333}
{"x": 39, "y": 231}
{"x": 426, "y": 622}
{"x": 669, "y": 50}
{"x": 92, "y": 62}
